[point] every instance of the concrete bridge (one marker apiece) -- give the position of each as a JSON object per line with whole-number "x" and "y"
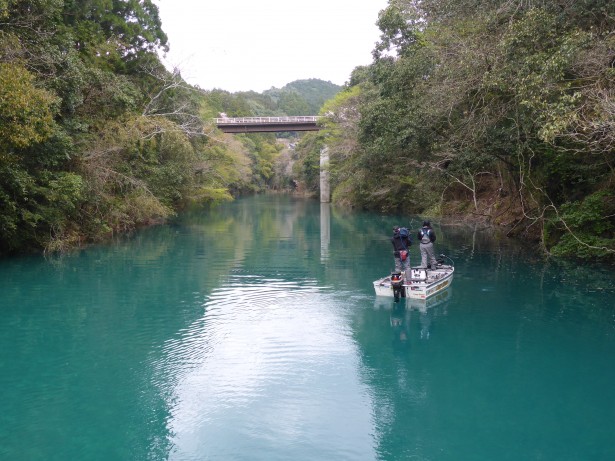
{"x": 289, "y": 123}
{"x": 268, "y": 124}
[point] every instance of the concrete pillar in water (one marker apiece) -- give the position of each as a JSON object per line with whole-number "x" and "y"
{"x": 325, "y": 230}
{"x": 325, "y": 188}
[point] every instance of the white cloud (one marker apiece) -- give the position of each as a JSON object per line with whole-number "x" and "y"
{"x": 246, "y": 45}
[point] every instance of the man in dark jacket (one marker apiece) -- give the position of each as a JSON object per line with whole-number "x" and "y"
{"x": 426, "y": 236}
{"x": 401, "y": 243}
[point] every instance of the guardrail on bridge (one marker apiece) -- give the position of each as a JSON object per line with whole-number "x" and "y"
{"x": 268, "y": 124}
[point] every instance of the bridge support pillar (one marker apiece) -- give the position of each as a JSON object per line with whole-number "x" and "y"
{"x": 325, "y": 230}
{"x": 325, "y": 188}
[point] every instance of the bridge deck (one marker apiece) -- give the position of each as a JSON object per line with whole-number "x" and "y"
{"x": 268, "y": 124}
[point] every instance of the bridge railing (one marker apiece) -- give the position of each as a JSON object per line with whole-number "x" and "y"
{"x": 257, "y": 120}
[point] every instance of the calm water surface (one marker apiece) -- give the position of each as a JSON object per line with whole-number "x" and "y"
{"x": 251, "y": 332}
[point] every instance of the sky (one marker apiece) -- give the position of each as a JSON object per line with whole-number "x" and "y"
{"x": 242, "y": 45}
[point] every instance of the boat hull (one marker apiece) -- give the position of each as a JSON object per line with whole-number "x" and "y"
{"x": 423, "y": 284}
{"x": 421, "y": 305}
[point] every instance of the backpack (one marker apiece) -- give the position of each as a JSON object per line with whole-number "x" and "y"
{"x": 403, "y": 232}
{"x": 425, "y": 237}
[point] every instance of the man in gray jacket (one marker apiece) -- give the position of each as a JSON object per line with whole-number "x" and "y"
{"x": 426, "y": 236}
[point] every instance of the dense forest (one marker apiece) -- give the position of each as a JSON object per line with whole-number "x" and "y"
{"x": 495, "y": 111}
{"x": 492, "y": 111}
{"x": 97, "y": 137}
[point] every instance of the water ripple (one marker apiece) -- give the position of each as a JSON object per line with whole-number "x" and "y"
{"x": 268, "y": 359}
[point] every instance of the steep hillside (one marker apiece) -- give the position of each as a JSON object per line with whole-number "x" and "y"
{"x": 303, "y": 97}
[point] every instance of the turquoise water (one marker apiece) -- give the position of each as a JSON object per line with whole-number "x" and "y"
{"x": 251, "y": 332}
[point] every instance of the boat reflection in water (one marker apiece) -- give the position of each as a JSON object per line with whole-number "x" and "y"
{"x": 401, "y": 315}
{"x": 414, "y": 304}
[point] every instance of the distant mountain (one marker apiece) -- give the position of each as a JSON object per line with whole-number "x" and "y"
{"x": 303, "y": 97}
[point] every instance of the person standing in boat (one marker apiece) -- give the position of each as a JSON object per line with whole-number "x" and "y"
{"x": 401, "y": 246}
{"x": 427, "y": 237}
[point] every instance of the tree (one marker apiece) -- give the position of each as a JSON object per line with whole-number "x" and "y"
{"x": 26, "y": 112}
{"x": 498, "y": 105}
{"x": 114, "y": 30}
{"x": 36, "y": 197}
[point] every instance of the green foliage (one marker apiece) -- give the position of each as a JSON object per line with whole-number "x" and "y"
{"x": 495, "y": 104}
{"x": 95, "y": 135}
{"x": 210, "y": 195}
{"x": 37, "y": 198}
{"x": 540, "y": 56}
{"x": 36, "y": 206}
{"x": 586, "y": 228}
{"x": 307, "y": 166}
{"x": 126, "y": 28}
{"x": 302, "y": 97}
{"x": 398, "y": 24}
{"x": 485, "y": 106}
{"x": 293, "y": 104}
{"x": 105, "y": 95}
{"x": 263, "y": 149}
{"x": 233, "y": 105}
{"x": 26, "y": 112}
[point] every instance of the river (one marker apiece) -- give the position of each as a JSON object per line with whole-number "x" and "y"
{"x": 251, "y": 332}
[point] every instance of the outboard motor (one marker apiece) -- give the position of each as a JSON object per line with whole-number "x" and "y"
{"x": 397, "y": 284}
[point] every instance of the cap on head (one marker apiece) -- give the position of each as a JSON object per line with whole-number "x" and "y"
{"x": 395, "y": 228}
{"x": 426, "y": 223}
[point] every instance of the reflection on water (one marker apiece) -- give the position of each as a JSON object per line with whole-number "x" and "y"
{"x": 252, "y": 332}
{"x": 274, "y": 368}
{"x": 411, "y": 319}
